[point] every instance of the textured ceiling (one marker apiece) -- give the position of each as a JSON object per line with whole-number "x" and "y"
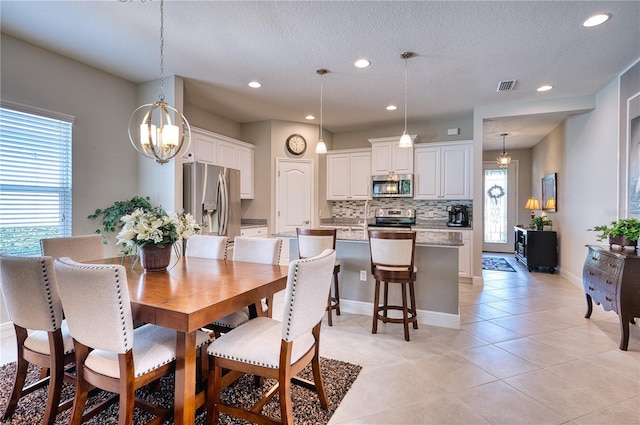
{"x": 464, "y": 50}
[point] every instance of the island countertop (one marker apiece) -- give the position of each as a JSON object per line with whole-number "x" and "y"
{"x": 423, "y": 238}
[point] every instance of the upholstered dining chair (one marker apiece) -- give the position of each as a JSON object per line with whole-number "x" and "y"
{"x": 79, "y": 248}
{"x": 31, "y": 295}
{"x": 392, "y": 261}
{"x": 254, "y": 250}
{"x": 110, "y": 354}
{"x": 207, "y": 246}
{"x": 312, "y": 242}
{"x": 273, "y": 349}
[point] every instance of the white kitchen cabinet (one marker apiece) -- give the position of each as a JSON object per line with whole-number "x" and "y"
{"x": 388, "y": 158}
{"x": 443, "y": 170}
{"x": 217, "y": 149}
{"x": 349, "y": 174}
{"x": 204, "y": 147}
{"x": 254, "y": 232}
{"x": 465, "y": 263}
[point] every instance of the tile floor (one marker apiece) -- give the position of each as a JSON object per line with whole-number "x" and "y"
{"x": 525, "y": 354}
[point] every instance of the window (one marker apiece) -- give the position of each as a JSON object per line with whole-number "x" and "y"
{"x": 495, "y": 206}
{"x": 35, "y": 178}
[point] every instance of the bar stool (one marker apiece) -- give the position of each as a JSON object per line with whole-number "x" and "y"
{"x": 312, "y": 242}
{"x": 392, "y": 261}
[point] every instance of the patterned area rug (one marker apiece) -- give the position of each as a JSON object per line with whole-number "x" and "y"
{"x": 496, "y": 264}
{"x": 338, "y": 377}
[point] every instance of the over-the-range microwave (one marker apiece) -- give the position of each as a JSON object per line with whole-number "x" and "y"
{"x": 392, "y": 186}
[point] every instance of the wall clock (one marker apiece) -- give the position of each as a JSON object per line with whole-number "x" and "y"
{"x": 296, "y": 144}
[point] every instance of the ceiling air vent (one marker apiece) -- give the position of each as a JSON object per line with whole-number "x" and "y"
{"x": 507, "y": 85}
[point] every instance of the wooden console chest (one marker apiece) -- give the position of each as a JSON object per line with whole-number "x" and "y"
{"x": 536, "y": 248}
{"x": 611, "y": 278}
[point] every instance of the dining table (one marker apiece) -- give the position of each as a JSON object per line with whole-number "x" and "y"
{"x": 189, "y": 295}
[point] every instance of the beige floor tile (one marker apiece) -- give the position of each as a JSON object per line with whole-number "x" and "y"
{"x": 624, "y": 413}
{"x": 521, "y": 325}
{"x": 561, "y": 395}
{"x": 497, "y": 361}
{"x": 454, "y": 373}
{"x": 490, "y": 332}
{"x": 499, "y": 403}
{"x": 535, "y": 352}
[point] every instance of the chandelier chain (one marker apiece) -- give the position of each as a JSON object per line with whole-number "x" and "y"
{"x": 161, "y": 50}
{"x": 406, "y": 64}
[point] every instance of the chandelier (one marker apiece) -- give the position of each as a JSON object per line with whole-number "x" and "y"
{"x": 321, "y": 147}
{"x": 405, "y": 139}
{"x": 156, "y": 135}
{"x": 504, "y": 159}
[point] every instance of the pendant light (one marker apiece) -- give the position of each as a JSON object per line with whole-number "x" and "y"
{"x": 503, "y": 159}
{"x": 405, "y": 139}
{"x": 320, "y": 146}
{"x": 156, "y": 136}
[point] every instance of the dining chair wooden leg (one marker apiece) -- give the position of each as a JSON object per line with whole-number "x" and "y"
{"x": 82, "y": 386}
{"x": 21, "y": 375}
{"x": 319, "y": 383}
{"x": 376, "y": 307}
{"x": 56, "y": 378}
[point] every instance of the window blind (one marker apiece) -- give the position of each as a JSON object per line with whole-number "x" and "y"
{"x": 35, "y": 180}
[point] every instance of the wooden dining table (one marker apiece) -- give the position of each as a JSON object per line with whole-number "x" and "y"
{"x": 189, "y": 295}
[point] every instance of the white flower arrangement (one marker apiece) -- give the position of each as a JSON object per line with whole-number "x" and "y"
{"x": 155, "y": 227}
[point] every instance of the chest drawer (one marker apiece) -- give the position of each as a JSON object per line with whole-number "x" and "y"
{"x": 607, "y": 264}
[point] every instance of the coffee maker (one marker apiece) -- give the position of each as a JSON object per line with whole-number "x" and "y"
{"x": 458, "y": 216}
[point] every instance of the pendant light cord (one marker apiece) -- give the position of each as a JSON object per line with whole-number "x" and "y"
{"x": 406, "y": 62}
{"x": 321, "y": 78}
{"x": 161, "y": 50}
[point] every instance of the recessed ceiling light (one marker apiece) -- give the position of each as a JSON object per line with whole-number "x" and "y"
{"x": 309, "y": 117}
{"x": 546, "y": 87}
{"x": 255, "y": 84}
{"x": 362, "y": 63}
{"x": 392, "y": 108}
{"x": 596, "y": 20}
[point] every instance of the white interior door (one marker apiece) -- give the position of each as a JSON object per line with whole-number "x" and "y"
{"x": 500, "y": 202}
{"x": 294, "y": 194}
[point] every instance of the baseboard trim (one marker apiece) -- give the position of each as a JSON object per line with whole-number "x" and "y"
{"x": 425, "y": 317}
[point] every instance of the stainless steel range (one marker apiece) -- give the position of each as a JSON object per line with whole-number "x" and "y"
{"x": 395, "y": 218}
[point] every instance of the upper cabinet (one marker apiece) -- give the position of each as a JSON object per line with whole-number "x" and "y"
{"x": 388, "y": 158}
{"x": 217, "y": 149}
{"x": 349, "y": 174}
{"x": 443, "y": 170}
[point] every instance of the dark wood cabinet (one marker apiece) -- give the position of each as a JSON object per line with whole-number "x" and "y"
{"x": 536, "y": 248}
{"x": 611, "y": 278}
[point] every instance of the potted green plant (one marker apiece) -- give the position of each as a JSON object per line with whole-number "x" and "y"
{"x": 538, "y": 223}
{"x": 111, "y": 215}
{"x": 623, "y": 232}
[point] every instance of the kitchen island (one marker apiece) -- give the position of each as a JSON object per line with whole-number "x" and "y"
{"x": 436, "y": 286}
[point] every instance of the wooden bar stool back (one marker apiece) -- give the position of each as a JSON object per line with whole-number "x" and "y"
{"x": 312, "y": 242}
{"x": 392, "y": 261}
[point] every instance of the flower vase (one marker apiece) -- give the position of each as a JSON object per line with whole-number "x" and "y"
{"x": 621, "y": 241}
{"x": 154, "y": 258}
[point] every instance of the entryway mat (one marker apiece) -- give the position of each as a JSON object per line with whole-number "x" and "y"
{"x": 496, "y": 264}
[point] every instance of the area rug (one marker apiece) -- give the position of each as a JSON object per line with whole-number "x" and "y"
{"x": 496, "y": 264}
{"x": 338, "y": 377}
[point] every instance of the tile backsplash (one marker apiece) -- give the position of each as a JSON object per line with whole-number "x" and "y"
{"x": 355, "y": 209}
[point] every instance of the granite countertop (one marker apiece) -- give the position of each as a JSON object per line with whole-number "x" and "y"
{"x": 246, "y": 223}
{"x": 448, "y": 239}
{"x": 354, "y": 223}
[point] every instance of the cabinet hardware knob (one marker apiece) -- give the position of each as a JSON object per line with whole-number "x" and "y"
{"x": 591, "y": 288}
{"x": 608, "y": 299}
{"x": 607, "y": 281}
{"x": 591, "y": 273}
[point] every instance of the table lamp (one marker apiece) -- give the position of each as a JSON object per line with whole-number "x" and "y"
{"x": 532, "y": 204}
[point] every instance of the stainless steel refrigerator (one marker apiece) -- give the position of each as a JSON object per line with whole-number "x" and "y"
{"x": 212, "y": 195}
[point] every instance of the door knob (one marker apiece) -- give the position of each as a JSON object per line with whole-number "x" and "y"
{"x": 306, "y": 222}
